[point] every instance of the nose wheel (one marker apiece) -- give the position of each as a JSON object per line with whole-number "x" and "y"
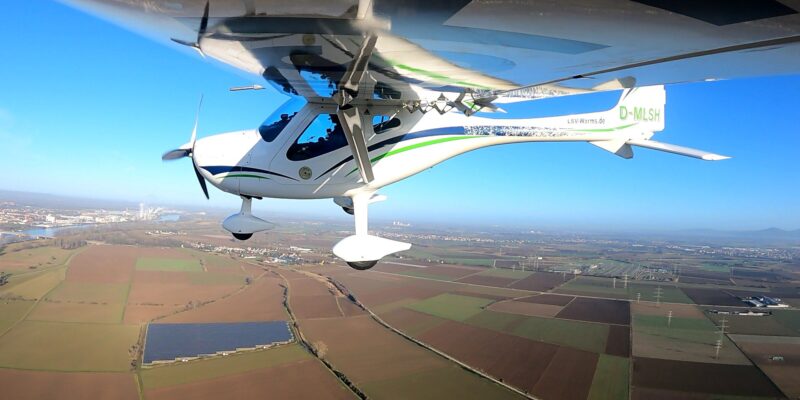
{"x": 242, "y": 236}
{"x": 244, "y": 224}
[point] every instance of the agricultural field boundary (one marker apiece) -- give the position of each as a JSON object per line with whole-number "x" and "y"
{"x": 378, "y": 319}
{"x": 65, "y": 266}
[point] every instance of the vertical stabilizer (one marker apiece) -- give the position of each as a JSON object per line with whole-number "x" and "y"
{"x": 642, "y": 108}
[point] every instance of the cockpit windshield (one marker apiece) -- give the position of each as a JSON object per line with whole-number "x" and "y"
{"x": 281, "y": 117}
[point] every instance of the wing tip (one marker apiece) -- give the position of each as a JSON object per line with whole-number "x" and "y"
{"x": 715, "y": 157}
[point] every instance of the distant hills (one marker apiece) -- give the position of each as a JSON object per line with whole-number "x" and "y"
{"x": 771, "y": 233}
{"x": 58, "y": 201}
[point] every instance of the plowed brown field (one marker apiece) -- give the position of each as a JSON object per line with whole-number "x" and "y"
{"x": 739, "y": 380}
{"x": 104, "y": 264}
{"x": 546, "y": 298}
{"x": 568, "y": 375}
{"x": 541, "y": 281}
{"x": 619, "y": 341}
{"x": 306, "y": 379}
{"x": 598, "y": 310}
{"x": 36, "y": 385}
{"x": 519, "y": 362}
{"x": 260, "y": 301}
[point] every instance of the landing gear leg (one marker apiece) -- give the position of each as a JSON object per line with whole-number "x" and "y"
{"x": 244, "y": 224}
{"x": 362, "y": 250}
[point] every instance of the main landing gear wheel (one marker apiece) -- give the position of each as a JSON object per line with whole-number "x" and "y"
{"x": 242, "y": 236}
{"x": 362, "y": 265}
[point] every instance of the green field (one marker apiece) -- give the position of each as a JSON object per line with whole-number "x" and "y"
{"x": 198, "y": 370}
{"x": 691, "y": 330}
{"x": 506, "y": 273}
{"x": 686, "y": 339}
{"x": 789, "y": 319}
{"x": 168, "y": 264}
{"x": 604, "y": 287}
{"x": 493, "y": 320}
{"x": 449, "y": 382}
{"x": 450, "y": 306}
{"x": 449, "y": 256}
{"x": 11, "y": 311}
{"x": 58, "y": 346}
{"x": 611, "y": 378}
{"x": 749, "y": 325}
{"x": 576, "y": 334}
{"x": 715, "y": 267}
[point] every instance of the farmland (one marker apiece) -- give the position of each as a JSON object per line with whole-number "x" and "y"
{"x": 693, "y": 377}
{"x": 684, "y": 339}
{"x": 58, "y": 346}
{"x": 211, "y": 368}
{"x": 168, "y": 264}
{"x": 463, "y": 309}
{"x": 763, "y": 350}
{"x": 35, "y": 385}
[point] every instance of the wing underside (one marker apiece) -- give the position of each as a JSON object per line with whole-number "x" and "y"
{"x": 505, "y": 48}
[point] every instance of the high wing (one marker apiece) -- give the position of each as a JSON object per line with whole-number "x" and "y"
{"x": 490, "y": 50}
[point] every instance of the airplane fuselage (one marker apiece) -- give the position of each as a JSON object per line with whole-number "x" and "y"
{"x": 300, "y": 153}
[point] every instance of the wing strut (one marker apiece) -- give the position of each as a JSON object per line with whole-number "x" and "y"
{"x": 350, "y": 115}
{"x": 350, "y": 118}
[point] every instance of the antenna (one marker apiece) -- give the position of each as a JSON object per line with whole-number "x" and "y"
{"x": 638, "y": 297}
{"x": 625, "y": 281}
{"x": 241, "y": 88}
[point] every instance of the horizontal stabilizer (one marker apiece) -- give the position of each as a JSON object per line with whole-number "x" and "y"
{"x": 671, "y": 148}
{"x": 618, "y": 147}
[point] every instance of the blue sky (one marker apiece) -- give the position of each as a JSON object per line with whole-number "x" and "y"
{"x": 87, "y": 108}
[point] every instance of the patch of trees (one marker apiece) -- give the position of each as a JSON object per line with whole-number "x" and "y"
{"x": 69, "y": 243}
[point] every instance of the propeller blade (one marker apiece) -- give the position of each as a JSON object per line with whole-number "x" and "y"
{"x": 196, "y": 119}
{"x": 175, "y": 154}
{"x": 203, "y": 23}
{"x": 201, "y": 180}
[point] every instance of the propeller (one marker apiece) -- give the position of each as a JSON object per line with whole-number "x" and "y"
{"x": 187, "y": 150}
{"x": 200, "y": 33}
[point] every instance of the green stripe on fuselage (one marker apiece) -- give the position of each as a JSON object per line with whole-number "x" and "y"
{"x": 416, "y": 146}
{"x": 244, "y": 176}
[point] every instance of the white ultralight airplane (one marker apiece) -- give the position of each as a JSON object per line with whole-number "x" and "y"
{"x": 381, "y": 89}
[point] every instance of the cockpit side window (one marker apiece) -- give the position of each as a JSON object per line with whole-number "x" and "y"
{"x": 270, "y": 131}
{"x": 277, "y": 121}
{"x": 322, "y": 136}
{"x": 383, "y": 123}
